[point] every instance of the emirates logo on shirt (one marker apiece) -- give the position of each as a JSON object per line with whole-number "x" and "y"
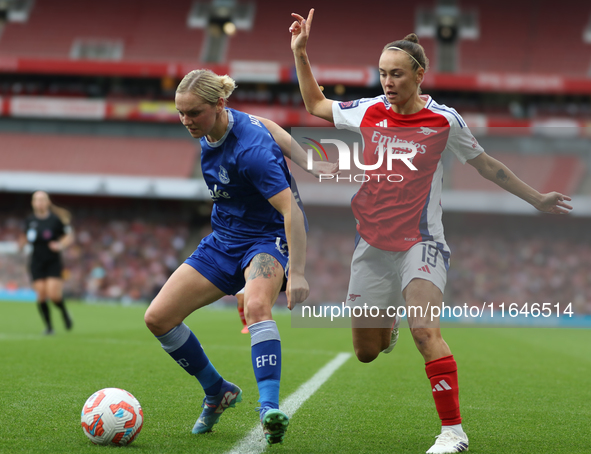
{"x": 395, "y": 142}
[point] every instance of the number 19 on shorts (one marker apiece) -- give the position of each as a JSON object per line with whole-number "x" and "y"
{"x": 430, "y": 254}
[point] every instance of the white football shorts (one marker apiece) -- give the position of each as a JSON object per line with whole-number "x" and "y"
{"x": 378, "y": 277}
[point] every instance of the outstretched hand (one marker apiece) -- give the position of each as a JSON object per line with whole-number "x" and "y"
{"x": 554, "y": 203}
{"x": 300, "y": 31}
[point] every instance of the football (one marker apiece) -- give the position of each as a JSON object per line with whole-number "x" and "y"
{"x": 112, "y": 416}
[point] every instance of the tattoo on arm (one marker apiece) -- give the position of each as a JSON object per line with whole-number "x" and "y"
{"x": 304, "y": 62}
{"x": 501, "y": 175}
{"x": 264, "y": 265}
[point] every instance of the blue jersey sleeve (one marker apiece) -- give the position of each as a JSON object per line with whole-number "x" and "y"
{"x": 263, "y": 168}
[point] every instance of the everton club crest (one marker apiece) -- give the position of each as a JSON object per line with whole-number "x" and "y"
{"x": 223, "y": 174}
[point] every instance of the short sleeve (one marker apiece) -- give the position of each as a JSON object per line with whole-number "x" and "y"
{"x": 349, "y": 114}
{"x": 60, "y": 227}
{"x": 262, "y": 168}
{"x": 463, "y": 143}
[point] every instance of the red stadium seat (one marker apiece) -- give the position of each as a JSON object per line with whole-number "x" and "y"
{"x": 528, "y": 37}
{"x": 545, "y": 173}
{"x": 150, "y": 30}
{"x": 98, "y": 155}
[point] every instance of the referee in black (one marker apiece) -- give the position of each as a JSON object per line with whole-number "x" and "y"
{"x": 49, "y": 232}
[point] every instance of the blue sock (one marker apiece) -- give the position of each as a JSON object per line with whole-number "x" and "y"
{"x": 185, "y": 349}
{"x": 266, "y": 361}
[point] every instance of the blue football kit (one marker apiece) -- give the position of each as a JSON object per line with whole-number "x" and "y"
{"x": 242, "y": 171}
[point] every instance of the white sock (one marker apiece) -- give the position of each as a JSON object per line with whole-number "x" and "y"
{"x": 457, "y": 428}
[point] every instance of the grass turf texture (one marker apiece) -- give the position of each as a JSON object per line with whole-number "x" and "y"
{"x": 522, "y": 390}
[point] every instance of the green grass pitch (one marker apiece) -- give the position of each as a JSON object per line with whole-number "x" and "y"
{"x": 522, "y": 390}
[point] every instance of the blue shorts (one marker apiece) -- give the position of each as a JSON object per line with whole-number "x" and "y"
{"x": 223, "y": 262}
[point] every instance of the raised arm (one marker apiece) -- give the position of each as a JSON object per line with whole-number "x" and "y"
{"x": 497, "y": 172}
{"x": 295, "y": 233}
{"x": 292, "y": 150}
{"x": 313, "y": 97}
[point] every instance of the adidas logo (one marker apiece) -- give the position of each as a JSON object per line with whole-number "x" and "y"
{"x": 425, "y": 268}
{"x": 442, "y": 386}
{"x": 383, "y": 124}
{"x": 461, "y": 446}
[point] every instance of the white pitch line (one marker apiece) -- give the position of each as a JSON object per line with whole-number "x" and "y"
{"x": 254, "y": 442}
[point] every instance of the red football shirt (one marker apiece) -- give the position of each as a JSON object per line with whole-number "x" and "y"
{"x": 398, "y": 207}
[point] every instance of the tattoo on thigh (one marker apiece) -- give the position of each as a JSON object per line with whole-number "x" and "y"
{"x": 264, "y": 265}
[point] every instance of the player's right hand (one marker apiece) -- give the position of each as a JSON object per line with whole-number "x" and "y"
{"x": 300, "y": 31}
{"x": 324, "y": 168}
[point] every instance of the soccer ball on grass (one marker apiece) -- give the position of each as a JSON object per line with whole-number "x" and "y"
{"x": 112, "y": 416}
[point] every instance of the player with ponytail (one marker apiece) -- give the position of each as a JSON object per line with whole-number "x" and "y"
{"x": 401, "y": 257}
{"x": 49, "y": 232}
{"x": 258, "y": 243}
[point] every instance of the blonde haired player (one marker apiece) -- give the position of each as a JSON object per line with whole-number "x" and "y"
{"x": 292, "y": 150}
{"x": 401, "y": 256}
{"x": 258, "y": 229}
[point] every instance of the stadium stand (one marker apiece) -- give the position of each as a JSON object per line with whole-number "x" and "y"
{"x": 563, "y": 174}
{"x": 98, "y": 155}
{"x": 528, "y": 37}
{"x": 503, "y": 42}
{"x": 149, "y": 29}
{"x": 559, "y": 45}
{"x": 518, "y": 260}
{"x": 519, "y": 42}
{"x": 118, "y": 259}
{"x": 127, "y": 258}
{"x": 152, "y": 30}
{"x": 339, "y": 40}
{"x": 494, "y": 259}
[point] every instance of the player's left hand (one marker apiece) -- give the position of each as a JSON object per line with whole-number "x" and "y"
{"x": 324, "y": 168}
{"x": 297, "y": 290}
{"x": 554, "y": 203}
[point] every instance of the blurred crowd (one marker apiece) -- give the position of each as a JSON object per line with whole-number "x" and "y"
{"x": 115, "y": 260}
{"x": 129, "y": 260}
{"x": 519, "y": 270}
{"x": 485, "y": 267}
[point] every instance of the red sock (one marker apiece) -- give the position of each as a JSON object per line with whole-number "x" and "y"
{"x": 242, "y": 317}
{"x": 443, "y": 375}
